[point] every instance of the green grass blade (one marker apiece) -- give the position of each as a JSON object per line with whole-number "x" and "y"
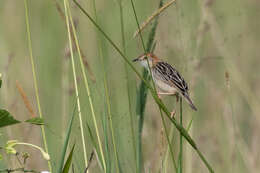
{"x": 68, "y": 162}
{"x": 181, "y": 144}
{"x": 168, "y": 141}
{"x": 66, "y": 141}
{"x": 127, "y": 82}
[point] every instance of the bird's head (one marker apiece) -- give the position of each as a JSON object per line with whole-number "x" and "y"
{"x": 147, "y": 57}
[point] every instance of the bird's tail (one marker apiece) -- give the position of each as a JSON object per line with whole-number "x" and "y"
{"x": 187, "y": 98}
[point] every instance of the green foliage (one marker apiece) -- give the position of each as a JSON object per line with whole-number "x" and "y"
{"x": 0, "y": 80}
{"x": 191, "y": 35}
{"x": 66, "y": 141}
{"x": 35, "y": 121}
{"x": 6, "y": 119}
{"x": 68, "y": 161}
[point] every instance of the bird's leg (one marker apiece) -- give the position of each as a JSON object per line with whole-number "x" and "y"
{"x": 177, "y": 98}
{"x": 173, "y": 113}
{"x": 164, "y": 93}
{"x": 160, "y": 93}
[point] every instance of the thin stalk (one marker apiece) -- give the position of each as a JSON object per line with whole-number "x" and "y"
{"x": 154, "y": 95}
{"x": 154, "y": 15}
{"x": 181, "y": 144}
{"x": 167, "y": 152}
{"x": 127, "y": 80}
{"x": 75, "y": 84}
{"x": 139, "y": 155}
{"x": 107, "y": 94}
{"x": 146, "y": 50}
{"x": 35, "y": 79}
{"x": 168, "y": 141}
{"x": 87, "y": 88}
{"x": 143, "y": 89}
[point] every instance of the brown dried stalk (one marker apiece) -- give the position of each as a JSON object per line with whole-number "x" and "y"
{"x": 156, "y": 13}
{"x": 25, "y": 99}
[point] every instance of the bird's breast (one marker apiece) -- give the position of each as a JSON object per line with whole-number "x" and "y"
{"x": 164, "y": 86}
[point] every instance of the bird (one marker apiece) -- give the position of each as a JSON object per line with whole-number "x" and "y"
{"x": 166, "y": 78}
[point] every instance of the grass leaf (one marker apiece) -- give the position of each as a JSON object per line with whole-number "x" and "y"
{"x": 6, "y": 119}
{"x": 35, "y": 121}
{"x": 68, "y": 162}
{"x": 64, "y": 149}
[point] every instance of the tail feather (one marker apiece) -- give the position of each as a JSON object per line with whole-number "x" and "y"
{"x": 187, "y": 98}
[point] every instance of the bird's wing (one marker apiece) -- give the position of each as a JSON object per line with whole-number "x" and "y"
{"x": 171, "y": 76}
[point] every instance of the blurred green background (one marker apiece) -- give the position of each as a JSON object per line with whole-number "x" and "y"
{"x": 214, "y": 44}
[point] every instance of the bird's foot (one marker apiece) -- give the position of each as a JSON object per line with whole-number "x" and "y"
{"x": 159, "y": 96}
{"x": 173, "y": 113}
{"x": 177, "y": 98}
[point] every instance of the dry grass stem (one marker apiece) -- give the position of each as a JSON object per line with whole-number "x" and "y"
{"x": 25, "y": 99}
{"x": 156, "y": 13}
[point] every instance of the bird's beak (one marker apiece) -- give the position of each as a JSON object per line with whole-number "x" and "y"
{"x": 136, "y": 59}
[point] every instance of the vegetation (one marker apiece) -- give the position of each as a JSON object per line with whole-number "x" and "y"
{"x": 69, "y": 91}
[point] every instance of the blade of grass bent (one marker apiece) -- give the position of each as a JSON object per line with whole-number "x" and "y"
{"x": 88, "y": 90}
{"x": 154, "y": 95}
{"x": 76, "y": 85}
{"x": 35, "y": 79}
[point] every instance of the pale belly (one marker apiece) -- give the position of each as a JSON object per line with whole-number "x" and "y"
{"x": 165, "y": 87}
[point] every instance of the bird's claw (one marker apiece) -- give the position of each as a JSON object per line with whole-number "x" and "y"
{"x": 173, "y": 113}
{"x": 158, "y": 95}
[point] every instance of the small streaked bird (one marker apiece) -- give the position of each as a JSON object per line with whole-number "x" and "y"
{"x": 166, "y": 78}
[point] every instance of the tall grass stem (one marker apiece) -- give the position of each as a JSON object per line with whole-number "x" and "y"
{"x": 75, "y": 83}
{"x": 35, "y": 79}
{"x": 88, "y": 91}
{"x": 181, "y": 144}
